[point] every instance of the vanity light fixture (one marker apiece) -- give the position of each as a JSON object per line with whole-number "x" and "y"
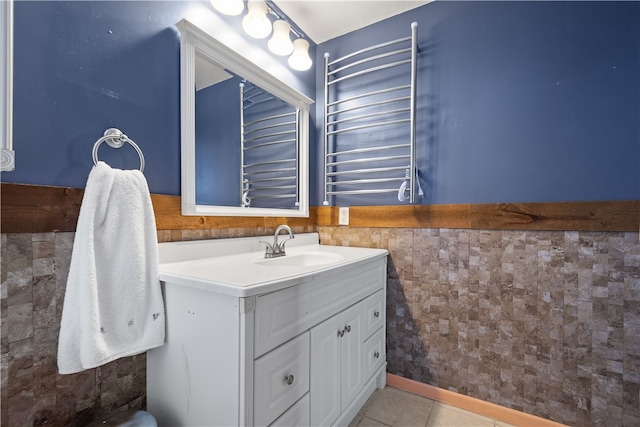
{"x": 299, "y": 59}
{"x": 228, "y": 7}
{"x": 256, "y": 23}
{"x": 280, "y": 43}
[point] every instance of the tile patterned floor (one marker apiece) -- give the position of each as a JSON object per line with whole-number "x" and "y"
{"x": 397, "y": 408}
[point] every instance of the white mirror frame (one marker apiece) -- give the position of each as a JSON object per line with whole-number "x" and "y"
{"x": 194, "y": 39}
{"x": 7, "y": 156}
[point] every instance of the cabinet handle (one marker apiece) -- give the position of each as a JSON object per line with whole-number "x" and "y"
{"x": 348, "y": 328}
{"x": 376, "y": 313}
{"x": 288, "y": 379}
{"x": 340, "y": 333}
{"x": 376, "y": 355}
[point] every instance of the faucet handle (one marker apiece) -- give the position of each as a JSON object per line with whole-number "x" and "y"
{"x": 269, "y": 248}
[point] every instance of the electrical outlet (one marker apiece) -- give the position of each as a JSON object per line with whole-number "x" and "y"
{"x": 343, "y": 216}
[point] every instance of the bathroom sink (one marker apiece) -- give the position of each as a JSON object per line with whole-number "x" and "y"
{"x": 302, "y": 259}
{"x": 237, "y": 266}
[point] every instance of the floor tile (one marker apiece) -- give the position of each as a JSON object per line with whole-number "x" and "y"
{"x": 395, "y": 407}
{"x": 449, "y": 416}
{"x": 369, "y": 422}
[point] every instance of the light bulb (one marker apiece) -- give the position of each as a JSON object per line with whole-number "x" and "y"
{"x": 228, "y": 7}
{"x": 280, "y": 42}
{"x": 256, "y": 23}
{"x": 299, "y": 59}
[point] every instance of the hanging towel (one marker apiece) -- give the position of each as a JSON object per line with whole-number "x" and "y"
{"x": 113, "y": 302}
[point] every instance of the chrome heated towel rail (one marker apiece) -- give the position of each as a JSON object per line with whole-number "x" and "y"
{"x": 370, "y": 121}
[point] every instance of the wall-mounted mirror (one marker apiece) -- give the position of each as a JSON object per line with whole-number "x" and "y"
{"x": 244, "y": 134}
{"x": 7, "y": 159}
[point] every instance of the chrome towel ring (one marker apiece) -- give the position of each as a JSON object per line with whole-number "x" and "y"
{"x": 116, "y": 139}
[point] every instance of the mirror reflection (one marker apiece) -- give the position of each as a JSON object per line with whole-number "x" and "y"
{"x": 244, "y": 134}
{"x": 246, "y": 146}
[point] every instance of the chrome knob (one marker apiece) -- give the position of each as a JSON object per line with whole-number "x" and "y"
{"x": 288, "y": 379}
{"x": 376, "y": 355}
{"x": 341, "y": 333}
{"x": 376, "y": 313}
{"x": 348, "y": 328}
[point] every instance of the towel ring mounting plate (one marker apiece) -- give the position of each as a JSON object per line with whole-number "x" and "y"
{"x": 116, "y": 139}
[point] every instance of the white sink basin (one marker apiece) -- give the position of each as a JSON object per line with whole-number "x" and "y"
{"x": 301, "y": 259}
{"x": 237, "y": 266}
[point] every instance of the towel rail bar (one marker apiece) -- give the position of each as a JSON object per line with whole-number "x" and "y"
{"x": 370, "y": 70}
{"x": 372, "y": 93}
{"x": 273, "y": 187}
{"x": 278, "y": 178}
{"x": 370, "y": 104}
{"x": 368, "y": 181}
{"x": 367, "y": 149}
{"x": 369, "y": 115}
{"x": 365, "y": 171}
{"x": 369, "y": 125}
{"x": 372, "y": 191}
{"x": 370, "y": 48}
{"x": 264, "y": 119}
{"x": 367, "y": 160}
{"x": 277, "y": 196}
{"x": 270, "y": 135}
{"x": 271, "y": 162}
{"x": 282, "y": 141}
{"x": 268, "y": 171}
{"x": 370, "y": 59}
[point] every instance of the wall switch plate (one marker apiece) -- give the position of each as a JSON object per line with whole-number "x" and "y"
{"x": 343, "y": 216}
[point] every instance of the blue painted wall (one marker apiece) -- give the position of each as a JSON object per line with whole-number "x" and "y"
{"x": 83, "y": 66}
{"x": 520, "y": 101}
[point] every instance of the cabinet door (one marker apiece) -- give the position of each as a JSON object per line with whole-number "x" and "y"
{"x": 352, "y": 353}
{"x": 325, "y": 371}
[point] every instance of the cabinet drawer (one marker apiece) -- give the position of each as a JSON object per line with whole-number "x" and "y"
{"x": 297, "y": 415}
{"x": 373, "y": 313}
{"x": 374, "y": 353}
{"x": 281, "y": 378}
{"x": 284, "y": 314}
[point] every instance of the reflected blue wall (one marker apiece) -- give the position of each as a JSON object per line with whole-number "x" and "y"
{"x": 218, "y": 144}
{"x": 520, "y": 101}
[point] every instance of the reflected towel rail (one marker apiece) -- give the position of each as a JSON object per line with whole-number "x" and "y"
{"x": 269, "y": 147}
{"x": 282, "y": 141}
{"x": 262, "y": 172}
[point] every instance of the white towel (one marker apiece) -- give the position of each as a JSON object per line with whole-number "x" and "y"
{"x": 113, "y": 302}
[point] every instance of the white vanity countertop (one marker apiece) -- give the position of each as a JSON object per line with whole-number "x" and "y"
{"x": 234, "y": 266}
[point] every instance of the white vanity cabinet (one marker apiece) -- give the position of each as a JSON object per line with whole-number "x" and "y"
{"x": 306, "y": 350}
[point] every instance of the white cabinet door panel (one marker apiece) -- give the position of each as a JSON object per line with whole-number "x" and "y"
{"x": 325, "y": 371}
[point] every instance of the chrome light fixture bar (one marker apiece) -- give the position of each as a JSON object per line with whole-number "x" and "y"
{"x": 258, "y": 25}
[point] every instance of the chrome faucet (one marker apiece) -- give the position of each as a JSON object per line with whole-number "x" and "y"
{"x": 277, "y": 249}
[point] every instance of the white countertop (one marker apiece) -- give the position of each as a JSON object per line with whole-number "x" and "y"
{"x": 227, "y": 266}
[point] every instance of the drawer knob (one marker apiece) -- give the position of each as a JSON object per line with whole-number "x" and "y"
{"x": 376, "y": 355}
{"x": 348, "y": 328}
{"x": 341, "y": 333}
{"x": 288, "y": 379}
{"x": 376, "y": 314}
